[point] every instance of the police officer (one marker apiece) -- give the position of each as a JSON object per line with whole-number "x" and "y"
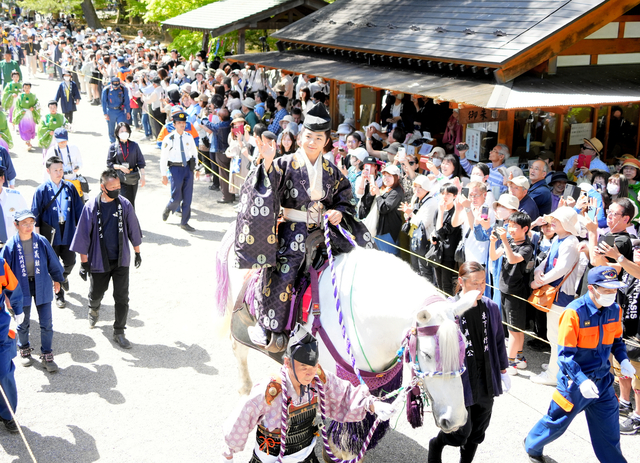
{"x": 590, "y": 330}
{"x": 178, "y": 156}
{"x": 11, "y": 201}
{"x": 115, "y": 106}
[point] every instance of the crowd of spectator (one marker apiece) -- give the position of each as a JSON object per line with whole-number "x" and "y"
{"x": 418, "y": 193}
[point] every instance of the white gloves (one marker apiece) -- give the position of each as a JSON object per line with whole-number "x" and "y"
{"x": 224, "y": 459}
{"x": 20, "y": 319}
{"x": 589, "y": 390}
{"x": 506, "y": 380}
{"x": 384, "y": 410}
{"x": 627, "y": 369}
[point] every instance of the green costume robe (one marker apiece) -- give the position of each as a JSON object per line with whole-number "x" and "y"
{"x": 23, "y": 103}
{"x": 5, "y": 132}
{"x": 49, "y": 123}
{"x": 14, "y": 88}
{"x": 6, "y": 67}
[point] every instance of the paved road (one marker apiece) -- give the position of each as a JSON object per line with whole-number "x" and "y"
{"x": 166, "y": 398}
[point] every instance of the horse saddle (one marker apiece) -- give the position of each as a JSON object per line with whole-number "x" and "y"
{"x": 242, "y": 318}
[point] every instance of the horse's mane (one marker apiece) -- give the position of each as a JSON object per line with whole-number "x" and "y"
{"x": 449, "y": 349}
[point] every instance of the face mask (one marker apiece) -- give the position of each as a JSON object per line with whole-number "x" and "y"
{"x": 116, "y": 85}
{"x": 67, "y": 78}
{"x": 502, "y": 213}
{"x": 113, "y": 194}
{"x": 476, "y": 178}
{"x": 605, "y": 300}
{"x": 436, "y": 162}
{"x": 124, "y": 136}
{"x": 613, "y": 189}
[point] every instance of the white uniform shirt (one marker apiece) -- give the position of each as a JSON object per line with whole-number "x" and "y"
{"x": 170, "y": 151}
{"x": 12, "y": 202}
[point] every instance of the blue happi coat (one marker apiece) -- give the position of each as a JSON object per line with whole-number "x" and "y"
{"x": 43, "y": 195}
{"x": 47, "y": 267}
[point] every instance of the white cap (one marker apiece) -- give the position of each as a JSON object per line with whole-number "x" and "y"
{"x": 359, "y": 153}
{"x": 392, "y": 169}
{"x": 343, "y": 129}
{"x": 423, "y": 181}
{"x": 376, "y": 126}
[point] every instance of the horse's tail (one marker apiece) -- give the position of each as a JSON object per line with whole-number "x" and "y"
{"x": 222, "y": 293}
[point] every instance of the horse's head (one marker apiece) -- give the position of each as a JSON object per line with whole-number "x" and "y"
{"x": 440, "y": 356}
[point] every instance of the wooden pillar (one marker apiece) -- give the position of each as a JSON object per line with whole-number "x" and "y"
{"x": 333, "y": 103}
{"x": 241, "y": 42}
{"x": 605, "y": 142}
{"x": 505, "y": 130}
{"x": 205, "y": 41}
{"x": 559, "y": 138}
{"x": 594, "y": 127}
{"x": 357, "y": 104}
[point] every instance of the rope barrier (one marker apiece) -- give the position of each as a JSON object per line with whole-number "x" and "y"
{"x": 528, "y": 333}
{"x": 13, "y": 417}
{"x": 203, "y": 155}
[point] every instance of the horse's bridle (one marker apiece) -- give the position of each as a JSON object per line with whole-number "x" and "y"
{"x": 415, "y": 332}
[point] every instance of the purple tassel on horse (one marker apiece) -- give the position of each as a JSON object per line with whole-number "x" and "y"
{"x": 27, "y": 126}
{"x": 351, "y": 436}
{"x": 415, "y": 407}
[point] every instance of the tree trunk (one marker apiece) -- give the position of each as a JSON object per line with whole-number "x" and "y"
{"x": 121, "y": 6}
{"x": 90, "y": 14}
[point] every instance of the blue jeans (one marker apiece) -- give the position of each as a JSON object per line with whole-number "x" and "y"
{"x": 136, "y": 114}
{"x": 382, "y": 241}
{"x": 46, "y": 325}
{"x": 146, "y": 124}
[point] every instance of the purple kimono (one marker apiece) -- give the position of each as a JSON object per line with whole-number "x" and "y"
{"x": 87, "y": 241}
{"x": 287, "y": 184}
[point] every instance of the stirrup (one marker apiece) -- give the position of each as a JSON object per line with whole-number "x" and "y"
{"x": 277, "y": 343}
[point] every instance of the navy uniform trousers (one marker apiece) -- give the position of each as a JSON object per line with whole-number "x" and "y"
{"x": 181, "y": 191}
{"x": 602, "y": 418}
{"x": 7, "y": 377}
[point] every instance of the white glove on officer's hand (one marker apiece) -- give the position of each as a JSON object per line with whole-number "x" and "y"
{"x": 506, "y": 380}
{"x": 224, "y": 459}
{"x": 20, "y": 319}
{"x": 589, "y": 390}
{"x": 627, "y": 369}
{"x": 384, "y": 410}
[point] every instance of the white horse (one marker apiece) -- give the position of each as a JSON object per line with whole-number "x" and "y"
{"x": 381, "y": 299}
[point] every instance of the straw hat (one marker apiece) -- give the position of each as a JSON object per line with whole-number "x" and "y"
{"x": 594, "y": 143}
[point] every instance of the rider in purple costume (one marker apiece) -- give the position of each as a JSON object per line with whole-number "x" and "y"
{"x": 306, "y": 186}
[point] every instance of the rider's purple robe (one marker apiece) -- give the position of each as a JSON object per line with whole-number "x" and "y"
{"x": 287, "y": 185}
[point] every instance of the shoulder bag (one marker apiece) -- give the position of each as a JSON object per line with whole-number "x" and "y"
{"x": 459, "y": 256}
{"x": 543, "y": 298}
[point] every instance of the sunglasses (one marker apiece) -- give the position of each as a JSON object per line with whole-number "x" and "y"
{"x": 411, "y": 163}
{"x": 587, "y": 148}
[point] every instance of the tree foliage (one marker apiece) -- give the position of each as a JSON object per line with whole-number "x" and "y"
{"x": 50, "y": 6}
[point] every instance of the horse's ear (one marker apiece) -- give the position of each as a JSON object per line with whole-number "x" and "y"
{"x": 465, "y": 302}
{"x": 423, "y": 317}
